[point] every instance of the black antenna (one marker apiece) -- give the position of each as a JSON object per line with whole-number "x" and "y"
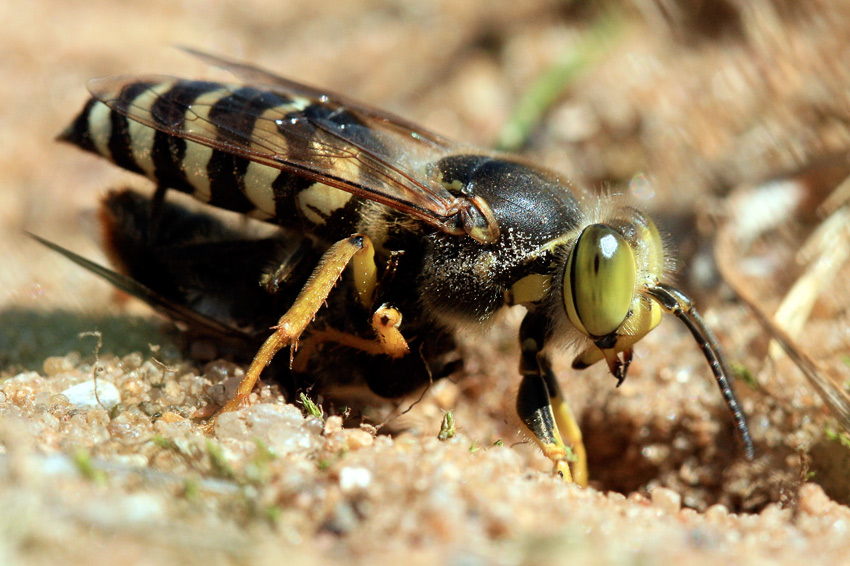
{"x": 677, "y": 303}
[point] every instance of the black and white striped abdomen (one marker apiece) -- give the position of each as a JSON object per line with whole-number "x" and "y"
{"x": 146, "y": 144}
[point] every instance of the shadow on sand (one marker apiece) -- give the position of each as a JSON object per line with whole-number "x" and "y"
{"x": 27, "y": 337}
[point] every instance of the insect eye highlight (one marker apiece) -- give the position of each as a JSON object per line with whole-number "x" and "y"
{"x": 599, "y": 283}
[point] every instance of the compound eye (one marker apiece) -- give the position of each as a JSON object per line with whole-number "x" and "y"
{"x": 599, "y": 284}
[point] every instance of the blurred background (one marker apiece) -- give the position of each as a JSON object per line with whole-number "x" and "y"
{"x": 712, "y": 115}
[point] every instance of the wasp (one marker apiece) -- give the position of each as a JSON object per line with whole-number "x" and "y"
{"x": 423, "y": 235}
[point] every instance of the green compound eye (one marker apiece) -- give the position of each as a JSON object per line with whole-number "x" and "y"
{"x": 599, "y": 284}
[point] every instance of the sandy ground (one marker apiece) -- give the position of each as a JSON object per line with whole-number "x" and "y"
{"x": 691, "y": 110}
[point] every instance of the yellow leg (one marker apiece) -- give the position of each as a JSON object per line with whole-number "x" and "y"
{"x": 558, "y": 456}
{"x": 541, "y": 406}
{"x": 385, "y": 323}
{"x": 569, "y": 431}
{"x": 292, "y": 324}
{"x": 535, "y": 410}
{"x": 365, "y": 273}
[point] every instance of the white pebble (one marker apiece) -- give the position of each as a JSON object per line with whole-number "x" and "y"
{"x": 354, "y": 478}
{"x": 82, "y": 395}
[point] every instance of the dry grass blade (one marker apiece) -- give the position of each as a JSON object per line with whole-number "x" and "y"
{"x": 835, "y": 397}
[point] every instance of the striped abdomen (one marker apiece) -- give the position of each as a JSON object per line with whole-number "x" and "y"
{"x": 157, "y": 143}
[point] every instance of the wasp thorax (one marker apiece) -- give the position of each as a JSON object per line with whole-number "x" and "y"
{"x": 599, "y": 283}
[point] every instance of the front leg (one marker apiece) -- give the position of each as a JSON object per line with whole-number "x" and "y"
{"x": 542, "y": 409}
{"x": 388, "y": 339}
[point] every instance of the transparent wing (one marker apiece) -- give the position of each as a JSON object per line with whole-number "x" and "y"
{"x": 315, "y": 134}
{"x": 377, "y": 119}
{"x": 169, "y": 307}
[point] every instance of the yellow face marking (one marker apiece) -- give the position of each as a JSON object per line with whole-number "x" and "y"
{"x": 646, "y": 315}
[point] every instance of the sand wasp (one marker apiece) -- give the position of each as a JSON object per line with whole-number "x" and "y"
{"x": 408, "y": 223}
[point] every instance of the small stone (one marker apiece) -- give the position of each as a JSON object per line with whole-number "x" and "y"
{"x": 50, "y": 421}
{"x": 343, "y": 520}
{"x": 132, "y": 361}
{"x": 83, "y": 395}
{"x": 445, "y": 393}
{"x": 170, "y": 417}
{"x": 57, "y": 400}
{"x": 281, "y": 427}
{"x": 813, "y": 500}
{"x": 284, "y": 438}
{"x": 333, "y": 424}
{"x": 55, "y": 365}
{"x": 354, "y": 478}
{"x": 357, "y": 438}
{"x": 667, "y": 500}
{"x": 717, "y": 513}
